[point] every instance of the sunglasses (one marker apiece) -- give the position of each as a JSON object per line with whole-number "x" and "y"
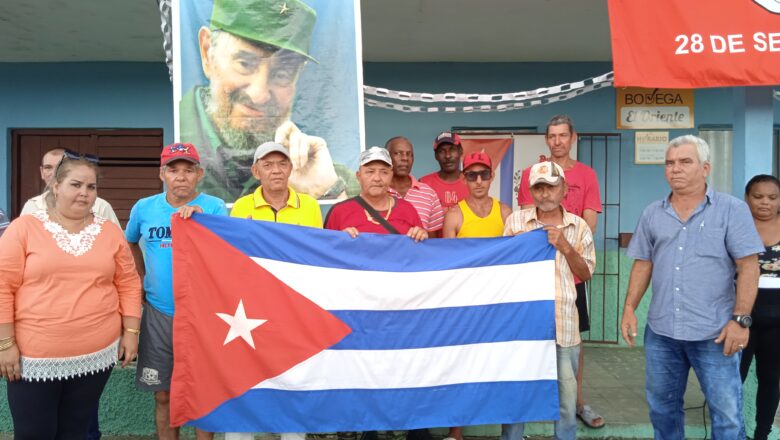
{"x": 471, "y": 176}
{"x": 72, "y": 155}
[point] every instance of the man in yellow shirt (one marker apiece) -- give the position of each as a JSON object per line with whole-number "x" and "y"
{"x": 478, "y": 215}
{"x": 275, "y": 200}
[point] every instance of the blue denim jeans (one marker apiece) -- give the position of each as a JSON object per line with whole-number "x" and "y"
{"x": 566, "y": 426}
{"x": 668, "y": 363}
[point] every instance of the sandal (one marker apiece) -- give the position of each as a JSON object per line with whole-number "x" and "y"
{"x": 590, "y": 417}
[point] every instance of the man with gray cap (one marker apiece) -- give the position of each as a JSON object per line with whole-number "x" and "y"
{"x": 275, "y": 200}
{"x": 374, "y": 210}
{"x": 252, "y": 53}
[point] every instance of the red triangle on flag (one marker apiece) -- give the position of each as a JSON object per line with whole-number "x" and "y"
{"x": 209, "y": 277}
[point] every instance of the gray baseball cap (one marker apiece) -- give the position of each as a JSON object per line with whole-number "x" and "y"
{"x": 375, "y": 153}
{"x": 270, "y": 147}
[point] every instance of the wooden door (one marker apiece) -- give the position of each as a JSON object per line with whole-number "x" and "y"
{"x": 129, "y": 163}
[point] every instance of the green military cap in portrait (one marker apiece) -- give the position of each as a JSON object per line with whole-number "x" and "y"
{"x": 285, "y": 24}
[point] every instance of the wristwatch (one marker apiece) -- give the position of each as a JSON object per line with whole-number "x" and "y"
{"x": 744, "y": 320}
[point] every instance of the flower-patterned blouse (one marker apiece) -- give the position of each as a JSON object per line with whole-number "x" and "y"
{"x": 767, "y": 303}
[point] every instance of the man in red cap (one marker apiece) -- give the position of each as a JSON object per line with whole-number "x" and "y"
{"x": 150, "y": 226}
{"x": 447, "y": 182}
{"x": 478, "y": 215}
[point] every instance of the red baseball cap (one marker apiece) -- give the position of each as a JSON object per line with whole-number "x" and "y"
{"x": 475, "y": 158}
{"x": 446, "y": 137}
{"x": 179, "y": 151}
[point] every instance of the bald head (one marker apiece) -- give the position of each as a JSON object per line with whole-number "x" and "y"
{"x": 49, "y": 164}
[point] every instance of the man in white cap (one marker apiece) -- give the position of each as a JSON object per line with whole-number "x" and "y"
{"x": 275, "y": 200}
{"x": 575, "y": 256}
{"x": 374, "y": 210}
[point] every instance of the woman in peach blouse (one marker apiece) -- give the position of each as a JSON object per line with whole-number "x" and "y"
{"x": 70, "y": 304}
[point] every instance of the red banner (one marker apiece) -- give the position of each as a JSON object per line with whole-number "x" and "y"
{"x": 695, "y": 43}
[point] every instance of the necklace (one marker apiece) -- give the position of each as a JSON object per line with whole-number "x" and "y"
{"x": 390, "y": 203}
{"x": 59, "y": 220}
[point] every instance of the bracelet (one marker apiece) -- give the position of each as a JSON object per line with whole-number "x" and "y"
{"x": 7, "y": 345}
{"x": 6, "y": 339}
{"x": 135, "y": 331}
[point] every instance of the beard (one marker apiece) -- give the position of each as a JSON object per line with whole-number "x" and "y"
{"x": 243, "y": 133}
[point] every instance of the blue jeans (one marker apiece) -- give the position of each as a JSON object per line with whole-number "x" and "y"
{"x": 668, "y": 363}
{"x": 566, "y": 426}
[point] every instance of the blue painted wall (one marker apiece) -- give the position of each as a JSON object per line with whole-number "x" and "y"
{"x": 594, "y": 112}
{"x": 138, "y": 95}
{"x": 80, "y": 95}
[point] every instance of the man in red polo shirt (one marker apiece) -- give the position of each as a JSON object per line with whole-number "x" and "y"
{"x": 405, "y": 186}
{"x": 583, "y": 200}
{"x": 447, "y": 182}
{"x": 374, "y": 210}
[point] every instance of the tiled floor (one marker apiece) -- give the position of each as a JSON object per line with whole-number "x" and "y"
{"x": 615, "y": 384}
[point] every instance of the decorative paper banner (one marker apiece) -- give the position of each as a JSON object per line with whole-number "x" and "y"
{"x": 487, "y": 108}
{"x": 695, "y": 43}
{"x": 252, "y": 71}
{"x": 650, "y": 147}
{"x": 477, "y": 97}
{"x": 638, "y": 108}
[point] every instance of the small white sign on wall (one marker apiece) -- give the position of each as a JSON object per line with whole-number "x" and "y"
{"x": 650, "y": 147}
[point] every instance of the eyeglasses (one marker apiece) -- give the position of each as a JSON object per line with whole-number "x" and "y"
{"x": 471, "y": 176}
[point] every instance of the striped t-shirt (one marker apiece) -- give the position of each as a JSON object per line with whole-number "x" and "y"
{"x": 426, "y": 202}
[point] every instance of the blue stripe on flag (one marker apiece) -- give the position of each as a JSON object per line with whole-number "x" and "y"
{"x": 265, "y": 410}
{"x": 335, "y": 249}
{"x": 402, "y": 329}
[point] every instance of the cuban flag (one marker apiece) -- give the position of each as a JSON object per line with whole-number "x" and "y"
{"x": 282, "y": 328}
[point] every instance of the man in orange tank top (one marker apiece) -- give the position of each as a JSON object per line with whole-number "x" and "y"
{"x": 478, "y": 215}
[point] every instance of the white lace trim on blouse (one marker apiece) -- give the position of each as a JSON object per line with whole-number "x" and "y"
{"x": 64, "y": 368}
{"x": 73, "y": 244}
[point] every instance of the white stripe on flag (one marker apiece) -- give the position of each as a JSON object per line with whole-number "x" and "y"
{"x": 423, "y": 367}
{"x": 768, "y": 282}
{"x": 344, "y": 289}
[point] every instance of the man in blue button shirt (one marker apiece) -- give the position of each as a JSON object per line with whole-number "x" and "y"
{"x": 692, "y": 243}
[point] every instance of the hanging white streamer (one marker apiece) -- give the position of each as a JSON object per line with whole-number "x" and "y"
{"x": 500, "y": 98}
{"x": 486, "y": 108}
{"x": 165, "y": 27}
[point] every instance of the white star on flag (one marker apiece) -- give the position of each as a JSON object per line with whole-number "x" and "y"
{"x": 240, "y": 325}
